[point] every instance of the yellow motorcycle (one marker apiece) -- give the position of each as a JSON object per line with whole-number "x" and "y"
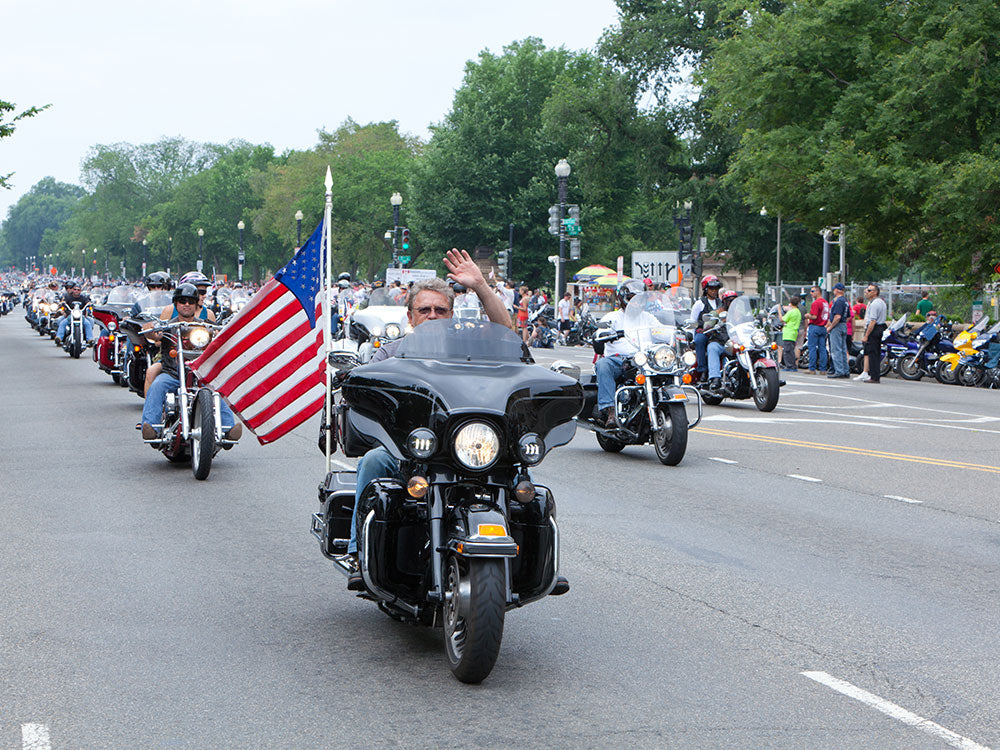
{"x": 947, "y": 371}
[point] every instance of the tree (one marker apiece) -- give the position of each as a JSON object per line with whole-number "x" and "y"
{"x": 882, "y": 115}
{"x": 490, "y": 162}
{"x": 41, "y": 211}
{"x": 7, "y": 128}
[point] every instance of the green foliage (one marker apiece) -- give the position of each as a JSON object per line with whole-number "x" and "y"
{"x": 34, "y": 221}
{"x": 882, "y": 114}
{"x": 7, "y": 128}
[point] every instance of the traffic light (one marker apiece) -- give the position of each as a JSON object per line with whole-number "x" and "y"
{"x": 554, "y": 220}
{"x": 503, "y": 263}
{"x": 686, "y": 232}
{"x": 574, "y": 249}
{"x": 574, "y": 212}
{"x": 406, "y": 238}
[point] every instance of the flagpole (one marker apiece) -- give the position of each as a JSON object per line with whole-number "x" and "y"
{"x": 327, "y": 314}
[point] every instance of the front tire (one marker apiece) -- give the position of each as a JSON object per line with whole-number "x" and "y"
{"x": 202, "y": 434}
{"x": 946, "y": 373}
{"x": 765, "y": 396}
{"x": 76, "y": 347}
{"x": 671, "y": 441}
{"x": 971, "y": 375}
{"x": 475, "y": 602}
{"x": 909, "y": 367}
{"x": 610, "y": 444}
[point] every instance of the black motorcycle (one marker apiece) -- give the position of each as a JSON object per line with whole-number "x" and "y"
{"x": 650, "y": 397}
{"x": 139, "y": 351}
{"x": 462, "y": 534}
{"x": 75, "y": 342}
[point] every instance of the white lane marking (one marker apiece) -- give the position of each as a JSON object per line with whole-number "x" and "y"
{"x": 782, "y": 420}
{"x": 898, "y": 421}
{"x": 896, "y": 712}
{"x": 35, "y": 737}
{"x": 803, "y": 478}
{"x": 816, "y": 385}
{"x": 342, "y": 465}
{"x": 722, "y": 460}
{"x": 903, "y": 499}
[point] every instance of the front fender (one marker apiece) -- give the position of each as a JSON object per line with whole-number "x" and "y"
{"x": 764, "y": 362}
{"x": 481, "y": 533}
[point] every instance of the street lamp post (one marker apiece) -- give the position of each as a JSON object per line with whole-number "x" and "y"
{"x": 170, "y": 241}
{"x": 239, "y": 268}
{"x": 777, "y": 254}
{"x": 298, "y": 229}
{"x": 144, "y": 259}
{"x": 95, "y": 262}
{"x": 396, "y": 200}
{"x": 562, "y": 176}
{"x": 201, "y": 235}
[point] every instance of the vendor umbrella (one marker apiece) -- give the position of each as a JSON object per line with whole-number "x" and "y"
{"x": 592, "y": 272}
{"x": 610, "y": 279}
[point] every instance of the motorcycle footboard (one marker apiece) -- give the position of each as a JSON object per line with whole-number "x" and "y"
{"x": 332, "y": 524}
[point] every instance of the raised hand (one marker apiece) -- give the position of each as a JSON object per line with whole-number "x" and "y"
{"x": 463, "y": 270}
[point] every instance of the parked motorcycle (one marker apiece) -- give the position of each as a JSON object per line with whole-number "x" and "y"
{"x": 932, "y": 342}
{"x": 895, "y": 345}
{"x": 463, "y": 534}
{"x": 650, "y": 398}
{"x": 748, "y": 370}
{"x": 973, "y": 369}
{"x": 192, "y": 422}
{"x": 542, "y": 332}
{"x": 947, "y": 371}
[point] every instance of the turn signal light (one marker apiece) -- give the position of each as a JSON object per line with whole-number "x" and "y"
{"x": 417, "y": 487}
{"x": 774, "y": 347}
{"x": 492, "y": 529}
{"x": 173, "y": 353}
{"x": 640, "y": 379}
{"x": 686, "y": 378}
{"x": 376, "y": 343}
{"x": 524, "y": 491}
{"x": 137, "y": 348}
{"x": 742, "y": 348}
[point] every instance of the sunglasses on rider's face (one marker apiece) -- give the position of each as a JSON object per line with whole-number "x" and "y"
{"x": 186, "y": 301}
{"x": 427, "y": 310}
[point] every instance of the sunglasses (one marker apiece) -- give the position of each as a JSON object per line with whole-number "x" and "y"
{"x": 186, "y": 301}
{"x": 427, "y": 310}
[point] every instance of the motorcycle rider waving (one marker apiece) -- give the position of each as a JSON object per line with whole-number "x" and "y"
{"x": 432, "y": 299}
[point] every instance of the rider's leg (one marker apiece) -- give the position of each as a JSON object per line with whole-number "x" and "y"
{"x": 61, "y": 330}
{"x": 88, "y": 329}
{"x": 701, "y": 350}
{"x": 151, "y": 372}
{"x": 156, "y": 396}
{"x": 377, "y": 463}
{"x": 714, "y": 360}
{"x": 608, "y": 370}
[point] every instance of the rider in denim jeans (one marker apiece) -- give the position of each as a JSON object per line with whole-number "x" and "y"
{"x": 837, "y": 329}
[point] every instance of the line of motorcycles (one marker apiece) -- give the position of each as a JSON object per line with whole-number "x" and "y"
{"x": 970, "y": 358}
{"x": 191, "y": 426}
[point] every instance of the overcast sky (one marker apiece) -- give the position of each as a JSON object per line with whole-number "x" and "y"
{"x": 267, "y": 71}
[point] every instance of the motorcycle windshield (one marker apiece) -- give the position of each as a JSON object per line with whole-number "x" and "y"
{"x": 651, "y": 318}
{"x": 899, "y": 323}
{"x": 450, "y": 340}
{"x": 980, "y": 325}
{"x": 383, "y": 298}
{"x": 153, "y": 302}
{"x": 121, "y": 295}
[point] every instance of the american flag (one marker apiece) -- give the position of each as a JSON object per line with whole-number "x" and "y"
{"x": 268, "y": 361}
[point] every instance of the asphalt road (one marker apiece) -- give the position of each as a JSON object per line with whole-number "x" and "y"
{"x": 822, "y": 576}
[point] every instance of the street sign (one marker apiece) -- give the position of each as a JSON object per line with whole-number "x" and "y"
{"x": 996, "y": 268}
{"x": 404, "y": 258}
{"x": 660, "y": 266}
{"x": 406, "y": 275}
{"x": 574, "y": 249}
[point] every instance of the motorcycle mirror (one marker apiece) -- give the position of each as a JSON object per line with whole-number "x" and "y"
{"x": 566, "y": 368}
{"x": 343, "y": 361}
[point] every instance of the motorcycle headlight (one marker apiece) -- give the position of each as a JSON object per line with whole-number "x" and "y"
{"x": 112, "y": 326}
{"x": 640, "y": 358}
{"x": 392, "y": 331}
{"x": 663, "y": 357}
{"x": 758, "y": 338}
{"x": 531, "y": 449}
{"x": 376, "y": 330}
{"x": 77, "y": 314}
{"x": 477, "y": 445}
{"x": 422, "y": 443}
{"x": 199, "y": 337}
{"x": 689, "y": 358}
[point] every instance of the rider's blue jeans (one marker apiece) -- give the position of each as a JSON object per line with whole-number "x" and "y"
{"x": 838, "y": 348}
{"x": 608, "y": 370}
{"x": 156, "y": 396}
{"x": 714, "y": 359}
{"x": 88, "y": 328}
{"x": 377, "y": 463}
{"x": 701, "y": 351}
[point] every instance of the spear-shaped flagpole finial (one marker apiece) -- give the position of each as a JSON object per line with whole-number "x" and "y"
{"x": 329, "y": 180}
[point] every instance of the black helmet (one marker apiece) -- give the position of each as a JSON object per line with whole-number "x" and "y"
{"x": 627, "y": 291}
{"x": 158, "y": 278}
{"x": 189, "y": 291}
{"x": 72, "y": 284}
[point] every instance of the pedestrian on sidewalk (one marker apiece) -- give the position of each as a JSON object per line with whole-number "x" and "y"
{"x": 836, "y": 328}
{"x": 858, "y": 312}
{"x": 874, "y": 327}
{"x": 792, "y": 320}
{"x": 818, "y": 315}
{"x": 925, "y": 305}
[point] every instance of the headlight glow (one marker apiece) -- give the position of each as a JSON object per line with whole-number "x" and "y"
{"x": 758, "y": 338}
{"x": 199, "y": 338}
{"x": 76, "y": 314}
{"x": 477, "y": 445}
{"x": 640, "y": 358}
{"x": 392, "y": 331}
{"x": 422, "y": 443}
{"x": 664, "y": 357}
{"x": 689, "y": 358}
{"x": 531, "y": 448}
{"x": 376, "y": 330}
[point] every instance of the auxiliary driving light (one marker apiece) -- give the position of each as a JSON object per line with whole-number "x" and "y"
{"x": 421, "y": 443}
{"x": 531, "y": 448}
{"x": 524, "y": 491}
{"x": 417, "y": 487}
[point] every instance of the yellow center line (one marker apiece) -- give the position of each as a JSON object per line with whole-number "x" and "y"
{"x": 852, "y": 450}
